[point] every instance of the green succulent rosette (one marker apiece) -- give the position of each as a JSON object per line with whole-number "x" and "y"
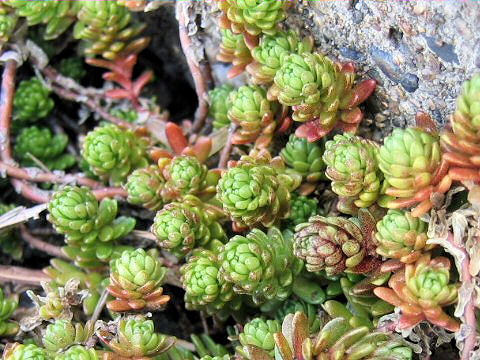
{"x": 136, "y": 337}
{"x": 18, "y": 351}
{"x": 90, "y": 227}
{"x": 409, "y": 159}
{"x": 106, "y": 29}
{"x": 73, "y": 68}
{"x": 257, "y": 191}
{"x": 181, "y": 226}
{"x": 113, "y": 153}
{"x": 186, "y": 174}
{"x": 233, "y": 49}
{"x": 10, "y": 242}
{"x": 352, "y": 166}
{"x": 260, "y": 265}
{"x": 301, "y": 209}
{"x": 251, "y": 111}
{"x": 44, "y": 146}
{"x": 78, "y": 352}
{"x": 401, "y": 236}
{"x": 144, "y": 187}
{"x": 56, "y": 15}
{"x": 254, "y": 17}
{"x": 204, "y": 288}
{"x": 130, "y": 115}
{"x": 7, "y": 307}
{"x": 259, "y": 332}
{"x": 136, "y": 277}
{"x": 32, "y": 100}
{"x": 219, "y": 105}
{"x": 312, "y": 85}
{"x": 62, "y": 334}
{"x": 271, "y": 51}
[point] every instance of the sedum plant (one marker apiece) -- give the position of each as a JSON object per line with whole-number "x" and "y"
{"x": 302, "y": 208}
{"x": 352, "y": 166}
{"x": 401, "y": 236}
{"x": 90, "y": 227}
{"x": 259, "y": 332}
{"x": 73, "y": 68}
{"x": 32, "y": 100}
{"x": 336, "y": 244}
{"x": 219, "y": 105}
{"x": 34, "y": 143}
{"x": 135, "y": 337}
{"x": 260, "y": 264}
{"x": 145, "y": 186}
{"x": 135, "y": 280}
{"x": 181, "y": 226}
{"x": 78, "y": 352}
{"x": 62, "y": 334}
{"x": 233, "y": 49}
{"x": 113, "y": 153}
{"x": 421, "y": 290}
{"x": 257, "y": 191}
{"x": 17, "y": 351}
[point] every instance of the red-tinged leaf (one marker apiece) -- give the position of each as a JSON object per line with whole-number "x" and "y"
{"x": 175, "y": 137}
{"x": 358, "y": 94}
{"x": 300, "y": 334}
{"x": 250, "y": 40}
{"x": 124, "y": 82}
{"x": 201, "y": 149}
{"x": 235, "y": 71}
{"x": 351, "y": 117}
{"x": 141, "y": 81}
{"x": 425, "y": 122}
{"x": 306, "y": 189}
{"x": 407, "y": 321}
{"x": 285, "y": 125}
{"x": 282, "y": 345}
{"x": 118, "y": 94}
{"x": 462, "y": 174}
{"x": 348, "y": 67}
{"x": 388, "y": 295}
{"x": 100, "y": 63}
{"x": 255, "y": 353}
{"x": 368, "y": 264}
{"x": 224, "y": 23}
{"x": 312, "y": 130}
{"x": 157, "y": 154}
{"x": 391, "y": 265}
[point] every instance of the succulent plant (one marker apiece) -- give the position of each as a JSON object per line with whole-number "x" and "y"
{"x": 318, "y": 89}
{"x": 336, "y": 244}
{"x": 234, "y": 50}
{"x": 305, "y": 158}
{"x": 78, "y": 352}
{"x": 259, "y": 332}
{"x": 10, "y": 243}
{"x": 337, "y": 339}
{"x": 130, "y": 115}
{"x": 181, "y": 226}
{"x": 18, "y": 351}
{"x": 204, "y": 288}
{"x": 250, "y": 109}
{"x": 107, "y": 30}
{"x": 32, "y": 100}
{"x": 90, "y": 227}
{"x": 461, "y": 142}
{"x": 185, "y": 174}
{"x": 254, "y": 17}
{"x": 260, "y": 265}
{"x": 48, "y": 148}
{"x": 301, "y": 209}
{"x": 206, "y": 347}
{"x": 136, "y": 337}
{"x": 73, "y": 68}
{"x": 7, "y": 307}
{"x": 113, "y": 153}
{"x": 401, "y": 236}
{"x": 62, "y": 334}
{"x": 219, "y": 105}
{"x": 410, "y": 160}
{"x": 135, "y": 280}
{"x": 208, "y": 357}
{"x": 57, "y": 16}
{"x": 352, "y": 166}
{"x": 144, "y": 187}
{"x": 269, "y": 54}
{"x": 257, "y": 191}
{"x": 421, "y": 290}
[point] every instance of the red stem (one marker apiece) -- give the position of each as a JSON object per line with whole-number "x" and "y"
{"x": 41, "y": 245}
{"x": 197, "y": 75}
{"x": 470, "y": 318}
